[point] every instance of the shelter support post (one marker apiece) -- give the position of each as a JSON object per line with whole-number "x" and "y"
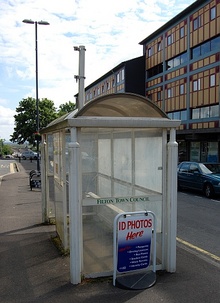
{"x": 44, "y": 181}
{"x": 171, "y": 220}
{"x": 75, "y": 214}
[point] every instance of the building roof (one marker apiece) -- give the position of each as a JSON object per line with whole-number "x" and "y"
{"x": 195, "y": 5}
{"x": 109, "y": 73}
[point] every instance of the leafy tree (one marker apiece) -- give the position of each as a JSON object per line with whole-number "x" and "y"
{"x": 25, "y": 119}
{"x": 5, "y": 149}
{"x": 66, "y": 108}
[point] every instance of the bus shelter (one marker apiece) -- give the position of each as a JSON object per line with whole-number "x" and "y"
{"x": 118, "y": 153}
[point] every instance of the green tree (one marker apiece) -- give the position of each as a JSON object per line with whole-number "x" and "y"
{"x": 66, "y": 108}
{"x": 7, "y": 149}
{"x": 25, "y": 119}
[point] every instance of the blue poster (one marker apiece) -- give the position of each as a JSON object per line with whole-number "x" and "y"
{"x": 134, "y": 242}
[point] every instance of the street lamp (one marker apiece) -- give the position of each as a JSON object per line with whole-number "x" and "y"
{"x": 37, "y": 101}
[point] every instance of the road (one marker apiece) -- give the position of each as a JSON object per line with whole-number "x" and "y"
{"x": 5, "y": 166}
{"x": 198, "y": 223}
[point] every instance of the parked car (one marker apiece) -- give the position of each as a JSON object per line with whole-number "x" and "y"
{"x": 204, "y": 177}
{"x": 29, "y": 154}
{"x": 9, "y": 157}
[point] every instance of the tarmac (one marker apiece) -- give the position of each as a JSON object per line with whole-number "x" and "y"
{"x": 32, "y": 269}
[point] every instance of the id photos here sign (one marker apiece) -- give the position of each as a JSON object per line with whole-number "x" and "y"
{"x": 134, "y": 242}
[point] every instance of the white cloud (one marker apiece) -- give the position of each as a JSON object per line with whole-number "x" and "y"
{"x": 7, "y": 121}
{"x": 110, "y": 30}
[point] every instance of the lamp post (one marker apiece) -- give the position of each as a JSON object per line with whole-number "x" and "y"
{"x": 28, "y": 21}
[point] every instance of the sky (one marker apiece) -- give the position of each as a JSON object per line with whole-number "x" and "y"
{"x": 110, "y": 31}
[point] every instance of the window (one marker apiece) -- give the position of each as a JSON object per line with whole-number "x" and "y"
{"x": 151, "y": 72}
{"x": 122, "y": 74}
{"x": 182, "y": 32}
{"x": 118, "y": 78}
{"x": 197, "y": 23}
{"x": 182, "y": 89}
{"x": 113, "y": 82}
{"x": 108, "y": 86}
{"x": 195, "y": 113}
{"x": 98, "y": 91}
{"x": 103, "y": 88}
{"x": 176, "y": 61}
{"x": 213, "y": 13}
{"x": 158, "y": 96}
{"x": 215, "y": 44}
{"x": 212, "y": 80}
{"x": 179, "y": 115}
{"x": 183, "y": 115}
{"x": 214, "y": 111}
{"x": 170, "y": 39}
{"x": 196, "y": 85}
{"x": 169, "y": 93}
{"x": 159, "y": 46}
{"x": 205, "y": 112}
{"x": 150, "y": 51}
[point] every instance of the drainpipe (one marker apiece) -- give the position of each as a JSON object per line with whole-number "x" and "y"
{"x": 81, "y": 77}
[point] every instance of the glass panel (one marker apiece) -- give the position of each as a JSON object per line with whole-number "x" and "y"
{"x": 183, "y": 115}
{"x": 195, "y": 113}
{"x": 212, "y": 155}
{"x": 148, "y": 172}
{"x": 176, "y": 61}
{"x": 170, "y": 64}
{"x": 183, "y": 58}
{"x": 214, "y": 111}
{"x": 50, "y": 154}
{"x": 215, "y": 44}
{"x": 176, "y": 115}
{"x": 122, "y": 157}
{"x": 196, "y": 52}
{"x": 57, "y": 156}
{"x": 127, "y": 176}
{"x": 59, "y": 210}
{"x": 205, "y": 112}
{"x": 205, "y": 48}
{"x": 182, "y": 151}
{"x": 195, "y": 151}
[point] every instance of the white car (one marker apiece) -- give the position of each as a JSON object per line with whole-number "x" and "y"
{"x": 29, "y": 154}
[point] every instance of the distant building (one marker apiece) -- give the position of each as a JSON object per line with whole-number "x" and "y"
{"x": 183, "y": 77}
{"x": 128, "y": 76}
{"x": 180, "y": 72}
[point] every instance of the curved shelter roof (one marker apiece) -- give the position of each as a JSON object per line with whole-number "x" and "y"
{"x": 115, "y": 110}
{"x": 121, "y": 105}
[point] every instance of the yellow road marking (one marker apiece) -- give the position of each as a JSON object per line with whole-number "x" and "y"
{"x": 205, "y": 252}
{"x": 12, "y": 168}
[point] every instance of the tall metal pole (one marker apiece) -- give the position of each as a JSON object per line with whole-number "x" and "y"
{"x": 37, "y": 99}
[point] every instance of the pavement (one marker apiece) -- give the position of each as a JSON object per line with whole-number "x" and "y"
{"x": 33, "y": 270}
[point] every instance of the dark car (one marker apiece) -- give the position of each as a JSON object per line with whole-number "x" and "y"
{"x": 204, "y": 177}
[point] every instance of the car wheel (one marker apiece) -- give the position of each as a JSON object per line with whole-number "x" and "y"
{"x": 24, "y": 158}
{"x": 208, "y": 190}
